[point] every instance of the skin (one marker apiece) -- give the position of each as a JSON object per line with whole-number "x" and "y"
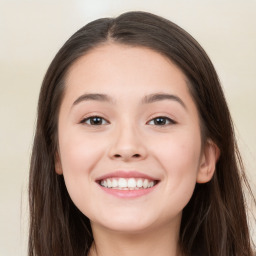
{"x": 130, "y": 139}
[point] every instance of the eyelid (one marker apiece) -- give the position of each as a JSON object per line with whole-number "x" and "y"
{"x": 171, "y": 120}
{"x": 84, "y": 119}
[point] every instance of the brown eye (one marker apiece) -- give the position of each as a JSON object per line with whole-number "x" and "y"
{"x": 161, "y": 121}
{"x": 94, "y": 120}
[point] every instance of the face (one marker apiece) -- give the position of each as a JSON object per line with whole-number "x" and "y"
{"x": 129, "y": 139}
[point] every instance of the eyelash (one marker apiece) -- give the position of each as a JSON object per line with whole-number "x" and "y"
{"x": 101, "y": 119}
{"x": 90, "y": 118}
{"x": 166, "y": 119}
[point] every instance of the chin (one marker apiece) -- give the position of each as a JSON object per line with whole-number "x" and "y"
{"x": 124, "y": 223}
{"x": 127, "y": 228}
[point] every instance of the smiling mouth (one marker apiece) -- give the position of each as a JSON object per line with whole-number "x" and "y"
{"x": 127, "y": 183}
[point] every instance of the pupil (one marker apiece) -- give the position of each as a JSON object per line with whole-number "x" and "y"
{"x": 160, "y": 121}
{"x": 96, "y": 121}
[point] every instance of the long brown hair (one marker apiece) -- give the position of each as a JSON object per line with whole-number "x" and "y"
{"x": 214, "y": 222}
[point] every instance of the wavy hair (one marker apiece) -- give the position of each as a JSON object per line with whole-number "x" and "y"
{"x": 214, "y": 222}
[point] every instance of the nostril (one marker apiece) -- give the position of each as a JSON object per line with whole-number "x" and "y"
{"x": 120, "y": 156}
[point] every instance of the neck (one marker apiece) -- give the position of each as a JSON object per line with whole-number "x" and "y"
{"x": 163, "y": 241}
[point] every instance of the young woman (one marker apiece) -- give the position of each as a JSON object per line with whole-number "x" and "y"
{"x": 134, "y": 151}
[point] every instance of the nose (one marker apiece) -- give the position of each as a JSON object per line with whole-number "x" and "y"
{"x": 127, "y": 145}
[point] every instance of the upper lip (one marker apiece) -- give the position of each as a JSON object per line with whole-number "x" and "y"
{"x": 125, "y": 174}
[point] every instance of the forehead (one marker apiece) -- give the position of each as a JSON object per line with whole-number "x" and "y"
{"x": 124, "y": 67}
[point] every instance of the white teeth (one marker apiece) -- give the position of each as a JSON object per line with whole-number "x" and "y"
{"x": 122, "y": 183}
{"x": 131, "y": 183}
{"x": 139, "y": 183}
{"x": 145, "y": 183}
{"x": 103, "y": 183}
{"x": 127, "y": 184}
{"x": 114, "y": 183}
{"x": 109, "y": 183}
{"x": 151, "y": 184}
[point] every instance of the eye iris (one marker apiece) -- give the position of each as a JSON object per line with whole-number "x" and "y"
{"x": 160, "y": 121}
{"x": 96, "y": 120}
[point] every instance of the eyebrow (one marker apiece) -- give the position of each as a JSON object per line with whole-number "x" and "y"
{"x": 151, "y": 98}
{"x": 162, "y": 96}
{"x": 93, "y": 97}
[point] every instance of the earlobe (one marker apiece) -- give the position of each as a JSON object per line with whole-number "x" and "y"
{"x": 208, "y": 162}
{"x": 58, "y": 167}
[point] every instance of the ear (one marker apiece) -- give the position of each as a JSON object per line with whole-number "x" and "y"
{"x": 58, "y": 167}
{"x": 209, "y": 158}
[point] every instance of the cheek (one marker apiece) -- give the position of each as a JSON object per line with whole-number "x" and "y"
{"x": 79, "y": 156}
{"x": 79, "y": 153}
{"x": 180, "y": 158}
{"x": 179, "y": 153}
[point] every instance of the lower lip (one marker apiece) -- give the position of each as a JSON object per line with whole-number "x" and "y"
{"x": 128, "y": 193}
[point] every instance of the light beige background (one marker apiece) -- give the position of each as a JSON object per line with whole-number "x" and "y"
{"x": 31, "y": 32}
